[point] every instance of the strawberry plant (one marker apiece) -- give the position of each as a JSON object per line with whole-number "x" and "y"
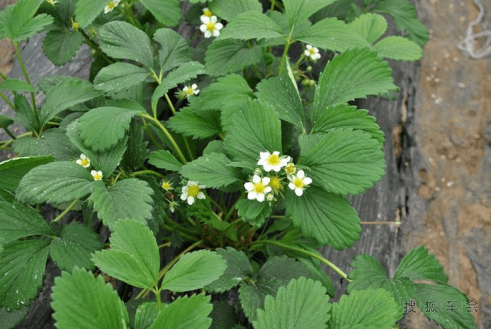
{"x": 233, "y": 146}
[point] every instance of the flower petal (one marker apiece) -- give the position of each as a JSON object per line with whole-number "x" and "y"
{"x": 298, "y": 191}
{"x": 201, "y": 195}
{"x": 252, "y": 195}
{"x": 249, "y": 186}
{"x": 191, "y": 200}
{"x": 260, "y": 197}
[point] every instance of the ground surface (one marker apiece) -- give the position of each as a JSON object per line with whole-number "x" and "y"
{"x": 437, "y": 150}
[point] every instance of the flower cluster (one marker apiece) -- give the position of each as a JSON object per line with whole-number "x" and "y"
{"x": 86, "y": 163}
{"x": 312, "y": 52}
{"x": 210, "y": 26}
{"x": 262, "y": 187}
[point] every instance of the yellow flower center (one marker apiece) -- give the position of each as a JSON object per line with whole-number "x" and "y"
{"x": 275, "y": 183}
{"x": 259, "y": 188}
{"x": 273, "y": 160}
{"x": 166, "y": 185}
{"x": 75, "y": 25}
{"x": 312, "y": 51}
{"x": 189, "y": 91}
{"x": 290, "y": 169}
{"x": 298, "y": 182}
{"x": 193, "y": 190}
{"x": 211, "y": 26}
{"x": 111, "y": 5}
{"x": 207, "y": 13}
{"x": 85, "y": 162}
{"x": 97, "y": 177}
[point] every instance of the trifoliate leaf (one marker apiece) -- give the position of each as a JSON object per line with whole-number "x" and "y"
{"x": 22, "y": 266}
{"x": 327, "y": 217}
{"x": 145, "y": 315}
{"x": 369, "y": 26}
{"x": 253, "y": 211}
{"x": 166, "y": 12}
{"x": 445, "y": 305}
{"x": 228, "y": 9}
{"x": 17, "y": 85}
{"x": 136, "y": 151}
{"x": 120, "y": 76}
{"x": 64, "y": 95}
{"x": 253, "y": 129}
{"x": 346, "y": 116}
{"x": 18, "y": 221}
{"x": 74, "y": 246}
{"x": 184, "y": 313}
{"x": 194, "y": 271}
{"x": 345, "y": 161}
{"x": 251, "y": 25}
{"x": 103, "y": 127}
{"x": 302, "y": 304}
{"x": 24, "y": 114}
{"x": 174, "y": 50}
{"x": 134, "y": 255}
{"x": 298, "y": 11}
{"x": 81, "y": 300}
{"x": 283, "y": 96}
{"x": 182, "y": 74}
{"x": 10, "y": 319}
{"x": 14, "y": 169}
{"x": 53, "y": 142}
{"x": 319, "y": 274}
{"x": 331, "y": 34}
{"x": 87, "y": 10}
{"x": 228, "y": 56}
{"x": 163, "y": 159}
{"x": 55, "y": 182}
{"x": 60, "y": 45}
{"x": 211, "y": 170}
{"x": 214, "y": 147}
{"x": 46, "y": 83}
{"x": 362, "y": 309}
{"x": 238, "y": 269}
{"x": 419, "y": 264}
{"x": 124, "y": 41}
{"x": 17, "y": 22}
{"x": 129, "y": 198}
{"x": 5, "y": 121}
{"x": 405, "y": 16}
{"x": 398, "y": 48}
{"x": 196, "y": 123}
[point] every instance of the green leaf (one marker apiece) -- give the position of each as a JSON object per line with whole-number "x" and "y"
{"x": 346, "y": 161}
{"x": 275, "y": 273}
{"x": 52, "y": 142}
{"x": 228, "y": 9}
{"x": 129, "y": 198}
{"x": 405, "y": 16}
{"x": 327, "y": 217}
{"x": 22, "y": 266}
{"x": 17, "y": 22}
{"x": 254, "y": 128}
{"x": 81, "y": 300}
{"x": 18, "y": 221}
{"x": 253, "y": 211}
{"x": 355, "y": 73}
{"x": 182, "y": 74}
{"x": 302, "y": 304}
{"x": 223, "y": 315}
{"x": 60, "y": 45}
{"x": 300, "y": 10}
{"x": 146, "y": 315}
{"x": 238, "y": 269}
{"x": 398, "y": 48}
{"x": 281, "y": 93}
{"x": 103, "y": 127}
{"x": 212, "y": 170}
{"x": 136, "y": 151}
{"x": 184, "y": 313}
{"x": 251, "y": 25}
{"x": 124, "y": 41}
{"x": 87, "y": 10}
{"x": 194, "y": 270}
{"x": 163, "y": 159}
{"x": 5, "y": 121}
{"x": 370, "y": 308}
{"x": 14, "y": 169}
{"x": 10, "y": 319}
{"x": 346, "y": 116}
{"x": 195, "y": 123}
{"x": 120, "y": 76}
{"x": 46, "y": 83}
{"x": 331, "y": 34}
{"x": 174, "y": 50}
{"x": 64, "y": 95}
{"x": 319, "y": 274}
{"x": 6, "y": 196}
{"x": 227, "y": 56}
{"x": 134, "y": 255}
{"x": 17, "y": 85}
{"x": 74, "y": 246}
{"x": 24, "y": 114}
{"x": 369, "y": 26}
{"x": 445, "y": 305}
{"x": 55, "y": 182}
{"x": 419, "y": 264}
{"x": 166, "y": 12}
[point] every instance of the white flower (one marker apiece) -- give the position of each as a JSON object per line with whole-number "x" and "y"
{"x": 192, "y": 191}
{"x": 52, "y": 2}
{"x": 84, "y": 161}
{"x": 272, "y": 161}
{"x": 111, "y": 5}
{"x": 206, "y": 13}
{"x": 299, "y": 182}
{"x": 290, "y": 169}
{"x": 312, "y": 52}
{"x": 257, "y": 188}
{"x": 189, "y": 91}
{"x": 210, "y": 26}
{"x": 98, "y": 175}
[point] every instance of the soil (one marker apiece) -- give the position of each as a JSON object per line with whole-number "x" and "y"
{"x": 440, "y": 149}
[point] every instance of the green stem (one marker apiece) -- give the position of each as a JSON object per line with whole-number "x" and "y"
{"x": 168, "y": 135}
{"x": 168, "y": 100}
{"x": 94, "y": 46}
{"x": 157, "y": 293}
{"x": 188, "y": 148}
{"x": 231, "y": 210}
{"x": 311, "y": 254}
{"x": 3, "y": 76}
{"x": 128, "y": 13}
{"x": 273, "y": 5}
{"x": 7, "y": 100}
{"x": 215, "y": 204}
{"x": 144, "y": 172}
{"x": 284, "y": 56}
{"x": 64, "y": 212}
{"x": 9, "y": 133}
